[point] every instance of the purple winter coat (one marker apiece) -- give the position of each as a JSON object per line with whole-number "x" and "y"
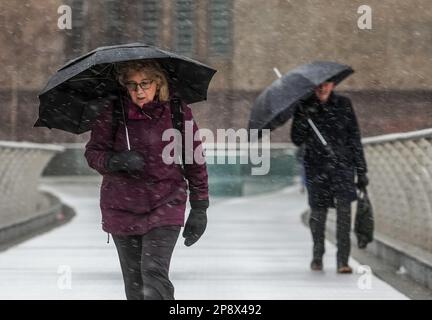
{"x": 134, "y": 204}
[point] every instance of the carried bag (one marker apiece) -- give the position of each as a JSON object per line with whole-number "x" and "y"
{"x": 364, "y": 220}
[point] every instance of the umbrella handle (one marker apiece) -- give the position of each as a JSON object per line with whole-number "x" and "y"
{"x": 127, "y": 137}
{"x": 315, "y": 129}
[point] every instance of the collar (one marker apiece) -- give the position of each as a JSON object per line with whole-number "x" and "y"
{"x": 330, "y": 104}
{"x": 148, "y": 111}
{"x": 332, "y": 98}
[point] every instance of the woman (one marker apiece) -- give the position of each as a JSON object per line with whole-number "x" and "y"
{"x": 143, "y": 199}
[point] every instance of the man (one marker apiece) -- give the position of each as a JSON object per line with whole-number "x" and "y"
{"x": 330, "y": 170}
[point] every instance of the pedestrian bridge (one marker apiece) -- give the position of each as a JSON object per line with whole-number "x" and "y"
{"x": 256, "y": 246}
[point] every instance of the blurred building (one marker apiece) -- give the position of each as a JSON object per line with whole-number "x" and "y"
{"x": 243, "y": 39}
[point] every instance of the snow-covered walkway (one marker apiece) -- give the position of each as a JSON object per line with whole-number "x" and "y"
{"x": 254, "y": 248}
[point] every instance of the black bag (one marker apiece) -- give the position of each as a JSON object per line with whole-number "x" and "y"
{"x": 364, "y": 221}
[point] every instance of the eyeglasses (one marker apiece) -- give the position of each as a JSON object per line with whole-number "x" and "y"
{"x": 133, "y": 86}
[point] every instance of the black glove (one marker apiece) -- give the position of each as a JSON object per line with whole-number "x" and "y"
{"x": 196, "y": 222}
{"x": 128, "y": 161}
{"x": 362, "y": 181}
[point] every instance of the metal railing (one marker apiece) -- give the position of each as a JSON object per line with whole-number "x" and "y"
{"x": 400, "y": 170}
{"x": 231, "y": 171}
{"x": 21, "y": 164}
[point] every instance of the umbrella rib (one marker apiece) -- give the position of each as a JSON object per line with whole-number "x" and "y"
{"x": 196, "y": 92}
{"x": 83, "y": 79}
{"x": 104, "y": 68}
{"x": 109, "y": 66}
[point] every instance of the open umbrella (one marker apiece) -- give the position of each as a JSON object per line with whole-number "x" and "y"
{"x": 75, "y": 95}
{"x": 276, "y": 104}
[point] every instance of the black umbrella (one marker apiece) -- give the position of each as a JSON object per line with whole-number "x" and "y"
{"x": 76, "y": 94}
{"x": 276, "y": 104}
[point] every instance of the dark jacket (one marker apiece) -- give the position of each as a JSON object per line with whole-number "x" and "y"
{"x": 330, "y": 176}
{"x": 134, "y": 204}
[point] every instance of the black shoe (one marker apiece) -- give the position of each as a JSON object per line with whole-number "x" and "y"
{"x": 316, "y": 265}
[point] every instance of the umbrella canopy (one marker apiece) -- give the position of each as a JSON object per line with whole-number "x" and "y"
{"x": 276, "y": 104}
{"x": 76, "y": 94}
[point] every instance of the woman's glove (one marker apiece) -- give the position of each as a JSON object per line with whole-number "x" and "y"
{"x": 128, "y": 161}
{"x": 196, "y": 222}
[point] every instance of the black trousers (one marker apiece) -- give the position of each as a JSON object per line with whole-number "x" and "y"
{"x": 145, "y": 261}
{"x": 317, "y": 224}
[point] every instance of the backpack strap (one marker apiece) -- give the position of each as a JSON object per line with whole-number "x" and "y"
{"x": 177, "y": 118}
{"x": 117, "y": 117}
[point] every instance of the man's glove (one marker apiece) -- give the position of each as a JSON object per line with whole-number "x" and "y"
{"x": 128, "y": 161}
{"x": 362, "y": 181}
{"x": 196, "y": 222}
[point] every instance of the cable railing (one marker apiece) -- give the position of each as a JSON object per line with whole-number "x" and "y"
{"x": 400, "y": 170}
{"x": 21, "y": 165}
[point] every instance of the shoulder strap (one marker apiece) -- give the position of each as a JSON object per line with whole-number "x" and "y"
{"x": 177, "y": 121}
{"x": 117, "y": 118}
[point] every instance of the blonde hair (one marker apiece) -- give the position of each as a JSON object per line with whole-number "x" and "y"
{"x": 151, "y": 68}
